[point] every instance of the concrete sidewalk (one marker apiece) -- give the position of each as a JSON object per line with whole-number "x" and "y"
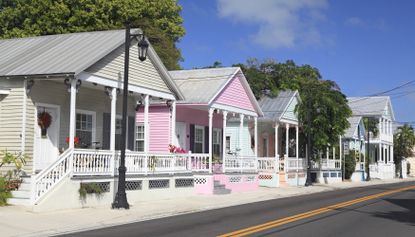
{"x": 17, "y": 221}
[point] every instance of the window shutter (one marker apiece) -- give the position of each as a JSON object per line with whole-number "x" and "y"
{"x": 106, "y": 132}
{"x": 207, "y": 142}
{"x": 192, "y": 137}
{"x": 130, "y": 133}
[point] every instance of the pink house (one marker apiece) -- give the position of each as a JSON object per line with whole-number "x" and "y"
{"x": 213, "y": 98}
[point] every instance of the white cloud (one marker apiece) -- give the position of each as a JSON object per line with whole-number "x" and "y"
{"x": 354, "y": 21}
{"x": 281, "y": 23}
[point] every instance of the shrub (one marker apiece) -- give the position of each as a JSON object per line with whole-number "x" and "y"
{"x": 89, "y": 188}
{"x": 4, "y": 192}
{"x": 350, "y": 164}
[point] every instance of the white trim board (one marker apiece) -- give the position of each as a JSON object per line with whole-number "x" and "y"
{"x": 4, "y": 91}
{"x": 232, "y": 109}
{"x": 115, "y": 84}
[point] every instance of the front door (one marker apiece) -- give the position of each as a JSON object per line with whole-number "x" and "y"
{"x": 181, "y": 134}
{"x": 46, "y": 149}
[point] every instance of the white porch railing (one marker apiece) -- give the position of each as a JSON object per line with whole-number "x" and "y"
{"x": 92, "y": 162}
{"x": 268, "y": 165}
{"x": 325, "y": 164}
{"x": 50, "y": 177}
{"x": 240, "y": 164}
{"x": 293, "y": 164}
{"x": 199, "y": 162}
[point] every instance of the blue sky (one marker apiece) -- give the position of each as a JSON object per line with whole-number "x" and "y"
{"x": 365, "y": 46}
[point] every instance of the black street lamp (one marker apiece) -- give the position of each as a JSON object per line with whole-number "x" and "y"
{"x": 120, "y": 200}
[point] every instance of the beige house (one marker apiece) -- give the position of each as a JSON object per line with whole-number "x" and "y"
{"x": 72, "y": 83}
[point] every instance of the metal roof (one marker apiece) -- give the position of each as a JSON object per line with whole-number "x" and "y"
{"x": 274, "y": 107}
{"x": 369, "y": 106}
{"x": 67, "y": 54}
{"x": 201, "y": 85}
{"x": 354, "y": 123}
{"x": 56, "y": 54}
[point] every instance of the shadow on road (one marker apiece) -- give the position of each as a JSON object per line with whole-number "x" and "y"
{"x": 405, "y": 216}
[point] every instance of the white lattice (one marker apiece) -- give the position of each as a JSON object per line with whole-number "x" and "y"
{"x": 235, "y": 179}
{"x": 133, "y": 185}
{"x": 181, "y": 183}
{"x": 200, "y": 180}
{"x": 158, "y": 183}
{"x": 250, "y": 179}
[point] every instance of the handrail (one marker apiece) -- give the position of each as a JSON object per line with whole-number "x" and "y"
{"x": 51, "y": 176}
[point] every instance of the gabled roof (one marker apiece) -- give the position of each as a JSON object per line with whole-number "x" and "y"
{"x": 64, "y": 54}
{"x": 370, "y": 106}
{"x": 202, "y": 86}
{"x": 274, "y": 107}
{"x": 354, "y": 123}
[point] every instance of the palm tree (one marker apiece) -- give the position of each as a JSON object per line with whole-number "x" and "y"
{"x": 403, "y": 143}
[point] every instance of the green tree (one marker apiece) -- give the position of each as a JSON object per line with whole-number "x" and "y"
{"x": 160, "y": 20}
{"x": 321, "y": 99}
{"x": 403, "y": 144}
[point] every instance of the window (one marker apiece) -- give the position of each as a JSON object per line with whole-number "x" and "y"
{"x": 199, "y": 139}
{"x": 139, "y": 137}
{"x": 265, "y": 147}
{"x": 85, "y": 128}
{"x": 228, "y": 144}
{"x": 216, "y": 141}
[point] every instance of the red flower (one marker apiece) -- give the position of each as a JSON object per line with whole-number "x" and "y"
{"x": 174, "y": 149}
{"x": 75, "y": 139}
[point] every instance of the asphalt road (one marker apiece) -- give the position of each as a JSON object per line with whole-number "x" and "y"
{"x": 388, "y": 215}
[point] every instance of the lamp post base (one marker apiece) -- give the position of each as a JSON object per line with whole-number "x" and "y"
{"x": 120, "y": 201}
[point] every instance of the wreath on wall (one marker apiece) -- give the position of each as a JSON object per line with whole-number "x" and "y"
{"x": 44, "y": 119}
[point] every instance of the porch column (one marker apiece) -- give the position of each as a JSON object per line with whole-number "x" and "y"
{"x": 210, "y": 138}
{"x": 341, "y": 155}
{"x": 256, "y": 136}
{"x": 364, "y": 157}
{"x": 225, "y": 115}
{"x": 72, "y": 114}
{"x": 327, "y": 156}
{"x": 173, "y": 123}
{"x": 296, "y": 142}
{"x": 380, "y": 152}
{"x": 146, "y": 124}
{"x": 276, "y": 127}
{"x": 380, "y": 127}
{"x": 287, "y": 138}
{"x": 241, "y": 126}
{"x": 113, "y": 118}
{"x": 392, "y": 160}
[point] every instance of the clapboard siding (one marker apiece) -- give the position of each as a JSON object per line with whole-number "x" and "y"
{"x": 290, "y": 112}
{"x": 232, "y": 130}
{"x": 235, "y": 95}
{"x": 142, "y": 74}
{"x": 159, "y": 124}
{"x": 11, "y": 110}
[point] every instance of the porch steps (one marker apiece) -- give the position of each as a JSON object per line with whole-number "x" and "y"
{"x": 219, "y": 189}
{"x": 283, "y": 182}
{"x": 21, "y": 196}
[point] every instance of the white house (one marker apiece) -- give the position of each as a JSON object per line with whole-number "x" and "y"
{"x": 381, "y": 146}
